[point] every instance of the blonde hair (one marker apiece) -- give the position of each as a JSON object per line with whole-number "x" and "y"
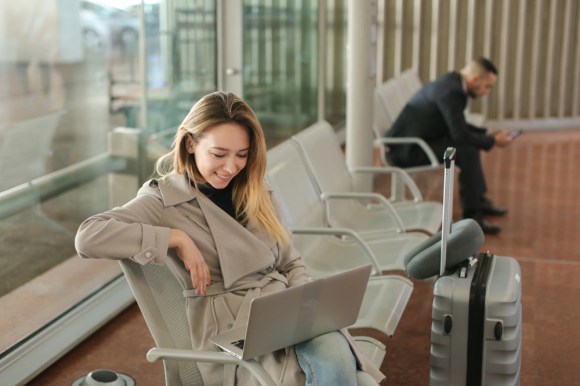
{"x": 250, "y": 196}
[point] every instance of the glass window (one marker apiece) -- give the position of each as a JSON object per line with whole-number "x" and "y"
{"x": 69, "y": 74}
{"x": 335, "y": 66}
{"x": 280, "y": 77}
{"x": 72, "y": 74}
{"x": 180, "y": 45}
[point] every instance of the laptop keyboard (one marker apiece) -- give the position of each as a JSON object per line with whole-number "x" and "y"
{"x": 239, "y": 343}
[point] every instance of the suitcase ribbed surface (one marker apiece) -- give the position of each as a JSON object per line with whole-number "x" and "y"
{"x": 501, "y": 358}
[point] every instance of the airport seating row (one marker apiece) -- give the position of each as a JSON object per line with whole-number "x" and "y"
{"x": 389, "y": 100}
{"x": 334, "y": 227}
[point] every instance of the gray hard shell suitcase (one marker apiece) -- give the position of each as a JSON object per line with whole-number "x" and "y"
{"x": 476, "y": 316}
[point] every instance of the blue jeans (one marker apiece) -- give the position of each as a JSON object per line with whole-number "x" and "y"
{"x": 327, "y": 360}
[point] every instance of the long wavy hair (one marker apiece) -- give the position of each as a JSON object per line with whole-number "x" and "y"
{"x": 250, "y": 196}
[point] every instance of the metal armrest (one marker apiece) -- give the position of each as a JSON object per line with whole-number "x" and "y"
{"x": 372, "y": 348}
{"x": 366, "y": 196}
{"x": 212, "y": 357}
{"x": 411, "y": 140}
{"x": 407, "y": 180}
{"x": 312, "y": 231}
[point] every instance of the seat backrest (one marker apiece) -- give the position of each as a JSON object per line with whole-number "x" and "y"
{"x": 160, "y": 298}
{"x": 409, "y": 83}
{"x": 391, "y": 98}
{"x": 288, "y": 176}
{"x": 302, "y": 208}
{"x": 382, "y": 122}
{"x": 325, "y": 158}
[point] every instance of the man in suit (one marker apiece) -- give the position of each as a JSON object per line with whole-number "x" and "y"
{"x": 436, "y": 114}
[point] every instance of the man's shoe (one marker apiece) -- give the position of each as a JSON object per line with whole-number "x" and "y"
{"x": 488, "y": 228}
{"x": 487, "y": 208}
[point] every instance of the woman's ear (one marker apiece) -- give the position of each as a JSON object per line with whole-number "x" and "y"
{"x": 189, "y": 144}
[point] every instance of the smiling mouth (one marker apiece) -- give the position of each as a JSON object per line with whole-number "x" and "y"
{"x": 222, "y": 177}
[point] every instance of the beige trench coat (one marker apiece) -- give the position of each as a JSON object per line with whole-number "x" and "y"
{"x": 243, "y": 263}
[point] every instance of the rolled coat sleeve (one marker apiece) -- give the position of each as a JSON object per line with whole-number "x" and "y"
{"x": 132, "y": 231}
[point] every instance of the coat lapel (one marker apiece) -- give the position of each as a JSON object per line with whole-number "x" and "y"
{"x": 240, "y": 251}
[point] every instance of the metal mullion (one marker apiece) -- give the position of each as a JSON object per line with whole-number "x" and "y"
{"x": 470, "y": 31}
{"x": 550, "y": 59}
{"x": 488, "y": 17}
{"x": 565, "y": 55}
{"x": 519, "y": 59}
{"x": 398, "y": 49}
{"x": 576, "y": 88}
{"x": 535, "y": 58}
{"x": 416, "y": 34}
{"x": 452, "y": 41}
{"x": 268, "y": 45}
{"x": 503, "y": 59}
{"x": 322, "y": 53}
{"x": 434, "y": 39}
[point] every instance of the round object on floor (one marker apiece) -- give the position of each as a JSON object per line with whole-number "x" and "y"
{"x": 104, "y": 378}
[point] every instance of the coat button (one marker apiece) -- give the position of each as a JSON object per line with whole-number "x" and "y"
{"x": 148, "y": 255}
{"x": 229, "y": 325}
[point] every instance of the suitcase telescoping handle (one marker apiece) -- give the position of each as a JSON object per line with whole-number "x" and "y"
{"x": 449, "y": 164}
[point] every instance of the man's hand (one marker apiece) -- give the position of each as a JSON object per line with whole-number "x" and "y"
{"x": 502, "y": 138}
{"x": 192, "y": 259}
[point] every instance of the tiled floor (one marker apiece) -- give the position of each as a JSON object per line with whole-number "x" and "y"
{"x": 537, "y": 179}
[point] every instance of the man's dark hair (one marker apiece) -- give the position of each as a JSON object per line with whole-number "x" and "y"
{"x": 487, "y": 65}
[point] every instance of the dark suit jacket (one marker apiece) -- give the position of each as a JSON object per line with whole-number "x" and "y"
{"x": 436, "y": 114}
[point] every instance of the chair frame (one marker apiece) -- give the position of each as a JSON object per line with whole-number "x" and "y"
{"x": 174, "y": 346}
{"x": 323, "y": 155}
{"x": 328, "y": 249}
{"x": 153, "y": 284}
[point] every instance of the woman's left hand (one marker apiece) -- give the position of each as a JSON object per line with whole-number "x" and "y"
{"x": 191, "y": 256}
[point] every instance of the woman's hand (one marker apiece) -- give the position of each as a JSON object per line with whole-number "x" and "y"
{"x": 192, "y": 259}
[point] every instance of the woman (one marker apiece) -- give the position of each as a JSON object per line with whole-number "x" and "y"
{"x": 213, "y": 210}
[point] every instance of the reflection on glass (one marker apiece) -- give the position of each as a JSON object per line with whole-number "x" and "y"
{"x": 69, "y": 74}
{"x": 280, "y": 78}
{"x": 181, "y": 62}
{"x": 281, "y": 58}
{"x": 335, "y": 71}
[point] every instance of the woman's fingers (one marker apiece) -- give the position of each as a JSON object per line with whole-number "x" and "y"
{"x": 192, "y": 259}
{"x": 200, "y": 278}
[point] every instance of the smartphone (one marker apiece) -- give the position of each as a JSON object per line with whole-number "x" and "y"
{"x": 515, "y": 133}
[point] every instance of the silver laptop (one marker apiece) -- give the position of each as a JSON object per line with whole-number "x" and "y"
{"x": 297, "y": 314}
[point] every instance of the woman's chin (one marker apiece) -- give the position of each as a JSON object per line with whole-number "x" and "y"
{"x": 219, "y": 184}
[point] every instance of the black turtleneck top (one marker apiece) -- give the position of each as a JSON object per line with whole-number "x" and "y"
{"x": 220, "y": 197}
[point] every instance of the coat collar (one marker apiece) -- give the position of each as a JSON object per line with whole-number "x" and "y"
{"x": 176, "y": 189}
{"x": 241, "y": 250}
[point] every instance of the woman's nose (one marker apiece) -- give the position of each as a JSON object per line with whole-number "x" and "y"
{"x": 230, "y": 165}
